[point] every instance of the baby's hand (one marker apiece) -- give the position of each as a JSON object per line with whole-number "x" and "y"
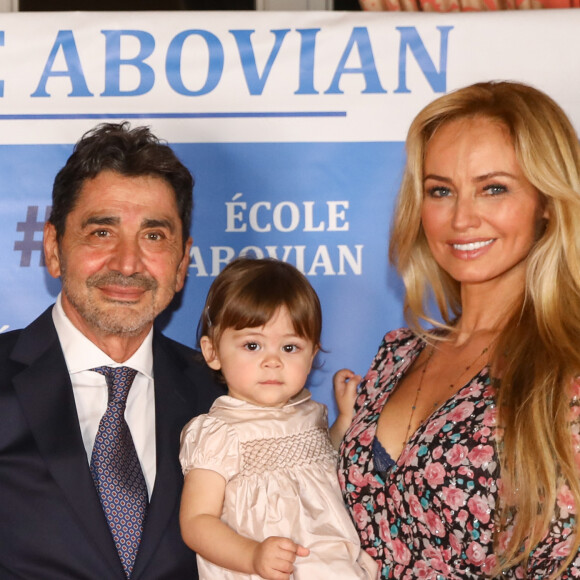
{"x": 345, "y": 383}
{"x": 273, "y": 558}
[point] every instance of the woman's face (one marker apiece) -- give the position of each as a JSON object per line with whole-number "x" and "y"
{"x": 480, "y": 214}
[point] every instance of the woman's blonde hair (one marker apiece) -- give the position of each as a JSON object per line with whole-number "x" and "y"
{"x": 540, "y": 341}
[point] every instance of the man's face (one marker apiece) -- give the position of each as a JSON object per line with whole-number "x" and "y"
{"x": 121, "y": 258}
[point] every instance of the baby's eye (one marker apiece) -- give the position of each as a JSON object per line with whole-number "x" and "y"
{"x": 438, "y": 191}
{"x": 290, "y": 348}
{"x": 252, "y": 346}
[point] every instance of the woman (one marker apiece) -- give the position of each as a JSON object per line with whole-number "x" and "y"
{"x": 463, "y": 456}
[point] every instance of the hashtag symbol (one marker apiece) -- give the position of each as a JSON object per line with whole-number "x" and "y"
{"x": 29, "y": 244}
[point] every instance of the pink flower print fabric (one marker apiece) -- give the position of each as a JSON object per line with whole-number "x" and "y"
{"x": 431, "y": 515}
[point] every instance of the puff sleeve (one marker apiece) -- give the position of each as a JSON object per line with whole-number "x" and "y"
{"x": 209, "y": 443}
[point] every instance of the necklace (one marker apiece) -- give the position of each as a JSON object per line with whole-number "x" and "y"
{"x": 451, "y": 386}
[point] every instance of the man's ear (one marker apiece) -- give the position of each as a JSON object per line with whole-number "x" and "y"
{"x": 51, "y": 253}
{"x": 210, "y": 353}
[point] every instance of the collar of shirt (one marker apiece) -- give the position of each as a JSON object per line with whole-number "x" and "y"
{"x": 90, "y": 390}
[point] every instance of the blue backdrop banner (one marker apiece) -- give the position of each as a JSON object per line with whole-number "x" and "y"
{"x": 292, "y": 123}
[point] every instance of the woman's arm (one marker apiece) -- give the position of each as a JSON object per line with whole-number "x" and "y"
{"x": 204, "y": 532}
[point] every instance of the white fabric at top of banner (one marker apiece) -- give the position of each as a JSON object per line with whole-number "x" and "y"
{"x": 267, "y": 77}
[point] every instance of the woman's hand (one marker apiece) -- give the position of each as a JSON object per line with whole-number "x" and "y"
{"x": 345, "y": 384}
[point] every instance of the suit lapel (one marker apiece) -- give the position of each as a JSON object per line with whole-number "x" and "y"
{"x": 171, "y": 413}
{"x": 45, "y": 392}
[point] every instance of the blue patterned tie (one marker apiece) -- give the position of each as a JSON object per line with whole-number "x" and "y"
{"x": 116, "y": 470}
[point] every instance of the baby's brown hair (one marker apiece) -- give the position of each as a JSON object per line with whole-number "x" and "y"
{"x": 249, "y": 291}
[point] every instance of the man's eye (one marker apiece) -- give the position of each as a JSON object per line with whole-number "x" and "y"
{"x": 155, "y": 236}
{"x": 101, "y": 233}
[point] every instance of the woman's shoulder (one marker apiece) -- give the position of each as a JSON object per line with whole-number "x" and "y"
{"x": 396, "y": 352}
{"x": 399, "y": 334}
{"x": 400, "y": 338}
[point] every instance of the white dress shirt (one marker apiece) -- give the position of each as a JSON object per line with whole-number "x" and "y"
{"x": 91, "y": 392}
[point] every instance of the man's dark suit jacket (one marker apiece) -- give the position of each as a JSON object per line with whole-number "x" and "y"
{"x": 51, "y": 522}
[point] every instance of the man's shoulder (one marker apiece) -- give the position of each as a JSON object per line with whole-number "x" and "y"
{"x": 181, "y": 352}
{"x": 21, "y": 347}
{"x": 187, "y": 372}
{"x": 26, "y": 343}
{"x": 38, "y": 326}
{"x": 7, "y": 342}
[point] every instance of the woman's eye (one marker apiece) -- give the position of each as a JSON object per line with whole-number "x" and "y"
{"x": 438, "y": 191}
{"x": 252, "y": 346}
{"x": 495, "y": 189}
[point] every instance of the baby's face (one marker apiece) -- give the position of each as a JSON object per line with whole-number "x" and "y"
{"x": 265, "y": 366}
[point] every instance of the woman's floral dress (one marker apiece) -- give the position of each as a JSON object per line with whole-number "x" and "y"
{"x": 431, "y": 515}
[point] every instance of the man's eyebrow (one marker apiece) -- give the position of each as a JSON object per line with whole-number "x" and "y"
{"x": 158, "y": 223}
{"x": 101, "y": 221}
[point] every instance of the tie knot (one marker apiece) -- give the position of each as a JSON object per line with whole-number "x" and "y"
{"x": 119, "y": 380}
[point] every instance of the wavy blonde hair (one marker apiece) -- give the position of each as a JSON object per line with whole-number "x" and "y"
{"x": 540, "y": 342}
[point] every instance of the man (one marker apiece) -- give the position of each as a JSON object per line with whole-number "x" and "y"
{"x": 118, "y": 237}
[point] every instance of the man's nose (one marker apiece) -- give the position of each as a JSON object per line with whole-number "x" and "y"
{"x": 127, "y": 256}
